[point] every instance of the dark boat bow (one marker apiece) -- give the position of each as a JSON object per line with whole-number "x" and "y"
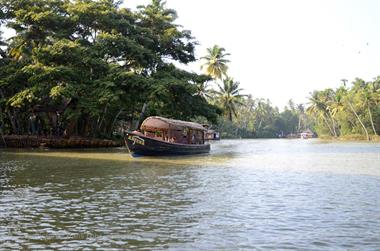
{"x": 140, "y": 144}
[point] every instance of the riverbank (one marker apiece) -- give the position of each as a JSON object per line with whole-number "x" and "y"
{"x": 31, "y": 141}
{"x": 352, "y": 137}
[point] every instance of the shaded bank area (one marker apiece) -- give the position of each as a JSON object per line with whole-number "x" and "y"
{"x": 27, "y": 141}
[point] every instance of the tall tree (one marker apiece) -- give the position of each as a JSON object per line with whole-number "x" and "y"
{"x": 370, "y": 96}
{"x": 89, "y": 64}
{"x": 228, "y": 97}
{"x": 215, "y": 62}
{"x": 318, "y": 107}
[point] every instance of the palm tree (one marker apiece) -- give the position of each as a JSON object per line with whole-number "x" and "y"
{"x": 369, "y": 94}
{"x": 157, "y": 10}
{"x": 216, "y": 62}
{"x": 356, "y": 102}
{"x": 349, "y": 102}
{"x": 336, "y": 105}
{"x": 228, "y": 97}
{"x": 318, "y": 107}
{"x": 301, "y": 117}
{"x": 203, "y": 90}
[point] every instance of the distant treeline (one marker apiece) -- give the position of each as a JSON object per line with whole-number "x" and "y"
{"x": 258, "y": 118}
{"x": 351, "y": 111}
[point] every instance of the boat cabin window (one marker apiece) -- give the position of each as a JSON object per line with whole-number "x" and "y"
{"x": 177, "y": 136}
{"x": 153, "y": 134}
{"x": 173, "y": 131}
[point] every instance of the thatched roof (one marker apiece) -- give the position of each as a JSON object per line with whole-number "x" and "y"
{"x": 156, "y": 122}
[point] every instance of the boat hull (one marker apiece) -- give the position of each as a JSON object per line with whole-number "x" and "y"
{"x": 142, "y": 145}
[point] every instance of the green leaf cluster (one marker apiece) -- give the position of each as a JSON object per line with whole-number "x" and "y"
{"x": 91, "y": 64}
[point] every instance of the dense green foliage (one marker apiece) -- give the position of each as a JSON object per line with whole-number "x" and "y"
{"x": 79, "y": 67}
{"x": 353, "y": 110}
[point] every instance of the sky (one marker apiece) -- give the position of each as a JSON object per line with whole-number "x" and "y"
{"x": 284, "y": 50}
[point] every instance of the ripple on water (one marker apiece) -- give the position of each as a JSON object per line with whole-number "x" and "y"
{"x": 245, "y": 195}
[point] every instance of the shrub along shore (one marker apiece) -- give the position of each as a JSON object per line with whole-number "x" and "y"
{"x": 29, "y": 141}
{"x": 351, "y": 137}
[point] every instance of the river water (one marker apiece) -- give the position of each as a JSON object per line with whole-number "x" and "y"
{"x": 245, "y": 194}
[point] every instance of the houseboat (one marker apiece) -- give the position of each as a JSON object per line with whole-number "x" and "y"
{"x": 163, "y": 136}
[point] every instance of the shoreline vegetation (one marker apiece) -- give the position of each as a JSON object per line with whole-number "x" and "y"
{"x": 86, "y": 71}
{"x": 33, "y": 141}
{"x": 353, "y": 137}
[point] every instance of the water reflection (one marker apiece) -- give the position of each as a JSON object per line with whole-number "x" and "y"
{"x": 267, "y": 194}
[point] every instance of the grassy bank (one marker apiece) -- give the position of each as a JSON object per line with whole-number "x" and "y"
{"x": 351, "y": 137}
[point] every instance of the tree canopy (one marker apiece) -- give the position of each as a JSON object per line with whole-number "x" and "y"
{"x": 81, "y": 66}
{"x": 353, "y": 110}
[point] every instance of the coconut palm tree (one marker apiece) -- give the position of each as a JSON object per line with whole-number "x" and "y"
{"x": 301, "y": 117}
{"x": 369, "y": 94}
{"x": 336, "y": 105}
{"x": 356, "y": 102}
{"x": 216, "y": 62}
{"x": 203, "y": 90}
{"x": 228, "y": 97}
{"x": 318, "y": 107}
{"x": 349, "y": 101}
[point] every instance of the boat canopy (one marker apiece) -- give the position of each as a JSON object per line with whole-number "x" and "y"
{"x": 160, "y": 123}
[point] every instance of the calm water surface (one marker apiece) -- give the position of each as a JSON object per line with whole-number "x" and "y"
{"x": 245, "y": 194}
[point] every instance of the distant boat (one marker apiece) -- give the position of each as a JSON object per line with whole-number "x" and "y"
{"x": 307, "y": 134}
{"x": 211, "y": 134}
{"x": 163, "y": 136}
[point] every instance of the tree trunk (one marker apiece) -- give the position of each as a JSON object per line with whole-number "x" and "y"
{"x": 11, "y": 118}
{"x": 334, "y": 126}
{"x": 230, "y": 116}
{"x": 145, "y": 105}
{"x": 328, "y": 125}
{"x": 259, "y": 127}
{"x": 1, "y": 129}
{"x": 102, "y": 119}
{"x": 360, "y": 121}
{"x": 299, "y": 122}
{"x": 370, "y": 117}
{"x": 114, "y": 120}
